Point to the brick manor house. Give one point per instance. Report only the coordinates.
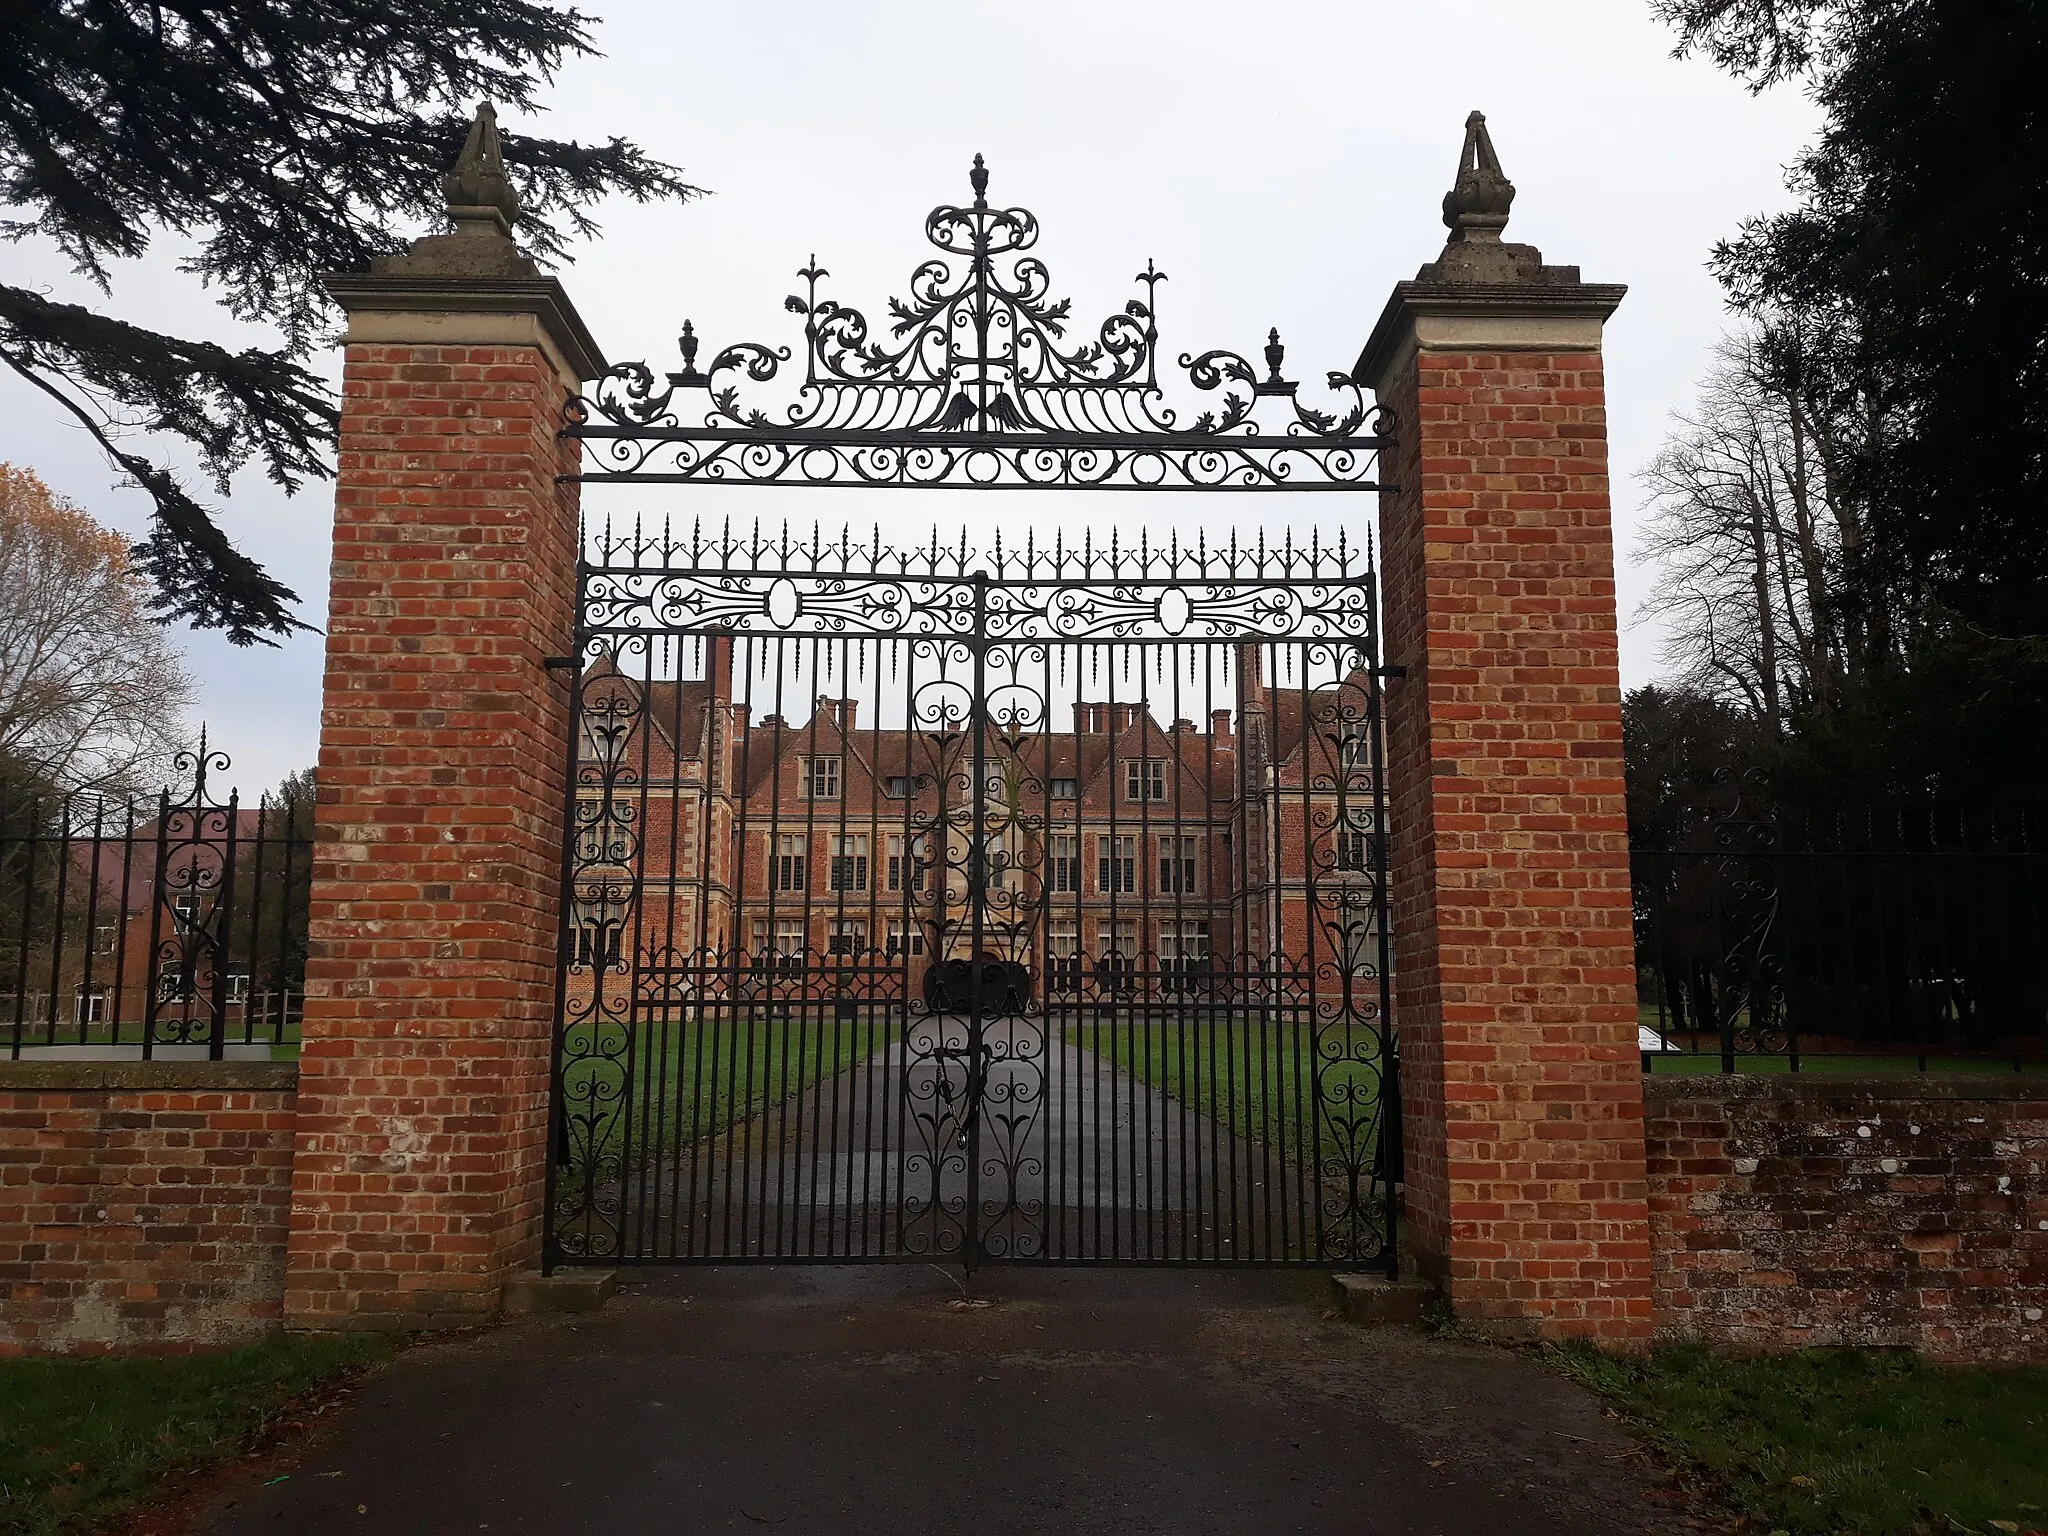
(1128, 855)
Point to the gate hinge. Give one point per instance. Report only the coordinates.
(559, 663)
(1390, 672)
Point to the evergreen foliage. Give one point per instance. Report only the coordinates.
(1900, 311)
(284, 139)
(1918, 251)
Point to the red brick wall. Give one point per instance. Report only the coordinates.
(1881, 1212)
(142, 1204)
(423, 1100)
(1513, 962)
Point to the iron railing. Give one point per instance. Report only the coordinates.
(1780, 942)
(171, 925)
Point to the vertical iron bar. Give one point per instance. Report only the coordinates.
(977, 901)
(125, 914)
(764, 962)
(558, 1109)
(1388, 1149)
(1304, 659)
(222, 926)
(87, 981)
(250, 991)
(57, 913)
(153, 984)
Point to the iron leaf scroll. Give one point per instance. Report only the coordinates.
(974, 380)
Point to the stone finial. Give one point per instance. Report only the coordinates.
(482, 207)
(1476, 207)
(480, 196)
(1476, 211)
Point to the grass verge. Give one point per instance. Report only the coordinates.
(683, 1080)
(1257, 1076)
(83, 1438)
(1833, 1442)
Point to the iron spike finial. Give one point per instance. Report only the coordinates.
(978, 179)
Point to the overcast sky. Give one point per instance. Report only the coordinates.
(1284, 163)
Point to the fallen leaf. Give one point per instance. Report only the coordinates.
(1804, 1482)
(1436, 1463)
(2003, 1525)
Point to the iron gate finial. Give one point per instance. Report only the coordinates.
(1276, 354)
(687, 345)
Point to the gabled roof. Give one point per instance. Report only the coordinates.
(674, 712)
(125, 868)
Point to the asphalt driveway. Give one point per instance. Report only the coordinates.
(881, 1400)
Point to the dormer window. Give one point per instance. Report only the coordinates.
(821, 778)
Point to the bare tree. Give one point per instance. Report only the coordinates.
(92, 694)
(1759, 552)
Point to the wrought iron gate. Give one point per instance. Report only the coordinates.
(1022, 910)
(926, 903)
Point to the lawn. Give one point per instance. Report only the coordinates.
(696, 1075)
(80, 1439)
(1841, 1443)
(1256, 1074)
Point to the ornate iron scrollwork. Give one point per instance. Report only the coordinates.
(186, 999)
(976, 382)
(649, 580)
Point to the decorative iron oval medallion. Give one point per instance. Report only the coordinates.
(1174, 610)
